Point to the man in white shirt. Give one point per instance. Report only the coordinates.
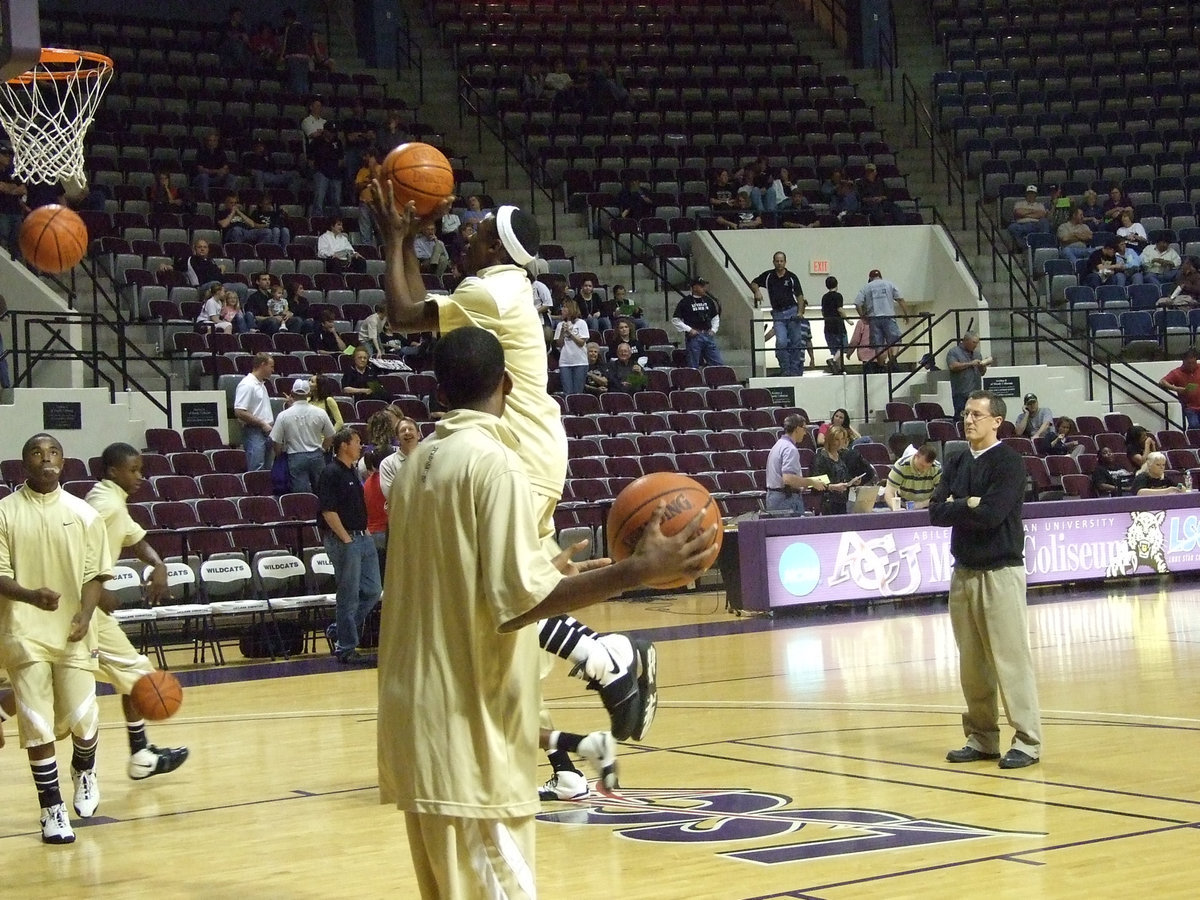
(252, 407)
(408, 433)
(370, 328)
(314, 121)
(1161, 262)
(431, 252)
(303, 432)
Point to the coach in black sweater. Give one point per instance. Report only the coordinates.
(979, 497)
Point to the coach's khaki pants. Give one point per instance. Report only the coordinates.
(988, 613)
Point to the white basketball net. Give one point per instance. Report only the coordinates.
(47, 111)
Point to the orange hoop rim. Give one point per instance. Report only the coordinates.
(60, 56)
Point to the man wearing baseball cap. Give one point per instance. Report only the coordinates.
(303, 432)
(877, 302)
(697, 317)
(1029, 216)
(1034, 422)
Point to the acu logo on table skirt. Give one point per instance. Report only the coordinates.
(760, 824)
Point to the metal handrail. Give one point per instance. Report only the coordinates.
(939, 150)
(466, 92)
(25, 355)
(409, 50)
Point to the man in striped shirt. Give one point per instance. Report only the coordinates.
(913, 477)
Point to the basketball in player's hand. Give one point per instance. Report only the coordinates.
(421, 173)
(684, 497)
(157, 695)
(53, 238)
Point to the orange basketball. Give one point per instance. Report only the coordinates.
(634, 505)
(157, 695)
(53, 238)
(421, 173)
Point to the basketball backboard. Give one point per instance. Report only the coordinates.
(20, 37)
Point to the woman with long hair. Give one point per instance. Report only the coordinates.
(843, 467)
(840, 418)
(571, 337)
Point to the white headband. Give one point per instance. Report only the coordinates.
(508, 238)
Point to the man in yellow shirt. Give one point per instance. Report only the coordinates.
(459, 686)
(497, 295)
(120, 664)
(54, 560)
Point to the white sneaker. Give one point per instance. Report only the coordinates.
(611, 669)
(612, 659)
(56, 827)
(87, 792)
(156, 761)
(600, 750)
(564, 786)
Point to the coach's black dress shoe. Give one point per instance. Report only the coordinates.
(969, 754)
(1017, 759)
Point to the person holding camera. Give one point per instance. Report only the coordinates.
(1035, 422)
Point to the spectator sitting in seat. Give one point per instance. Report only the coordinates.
(1034, 421)
(1105, 267)
(846, 204)
(212, 166)
(1139, 444)
(742, 216)
(359, 381)
(1115, 206)
(202, 273)
(1029, 215)
(1131, 261)
(623, 305)
(625, 374)
(1061, 444)
(721, 191)
(1060, 207)
(1075, 237)
(1160, 263)
(328, 340)
(264, 173)
(232, 312)
(1151, 478)
(623, 333)
(1093, 210)
(874, 196)
(591, 307)
(840, 419)
(238, 226)
(339, 254)
(272, 217)
(258, 304)
(279, 308)
(596, 381)
(635, 201)
(1107, 481)
(1133, 232)
(1187, 285)
(431, 252)
(209, 318)
(474, 213)
(371, 329)
(166, 199)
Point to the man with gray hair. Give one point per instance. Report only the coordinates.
(966, 367)
(785, 479)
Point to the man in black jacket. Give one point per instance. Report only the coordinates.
(979, 497)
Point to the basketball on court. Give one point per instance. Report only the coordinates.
(157, 695)
(53, 238)
(636, 503)
(421, 173)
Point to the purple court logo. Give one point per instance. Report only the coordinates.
(742, 819)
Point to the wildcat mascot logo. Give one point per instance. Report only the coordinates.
(1144, 545)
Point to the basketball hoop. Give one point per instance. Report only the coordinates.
(47, 111)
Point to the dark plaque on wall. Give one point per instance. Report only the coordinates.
(1003, 385)
(784, 395)
(199, 415)
(62, 415)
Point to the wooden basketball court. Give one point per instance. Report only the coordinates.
(800, 757)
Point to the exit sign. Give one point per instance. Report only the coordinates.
(818, 267)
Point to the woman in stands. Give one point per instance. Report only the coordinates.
(1061, 444)
(1139, 444)
(321, 394)
(1133, 232)
(1116, 206)
(840, 418)
(624, 333)
(844, 469)
(1093, 211)
(1152, 478)
(164, 198)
